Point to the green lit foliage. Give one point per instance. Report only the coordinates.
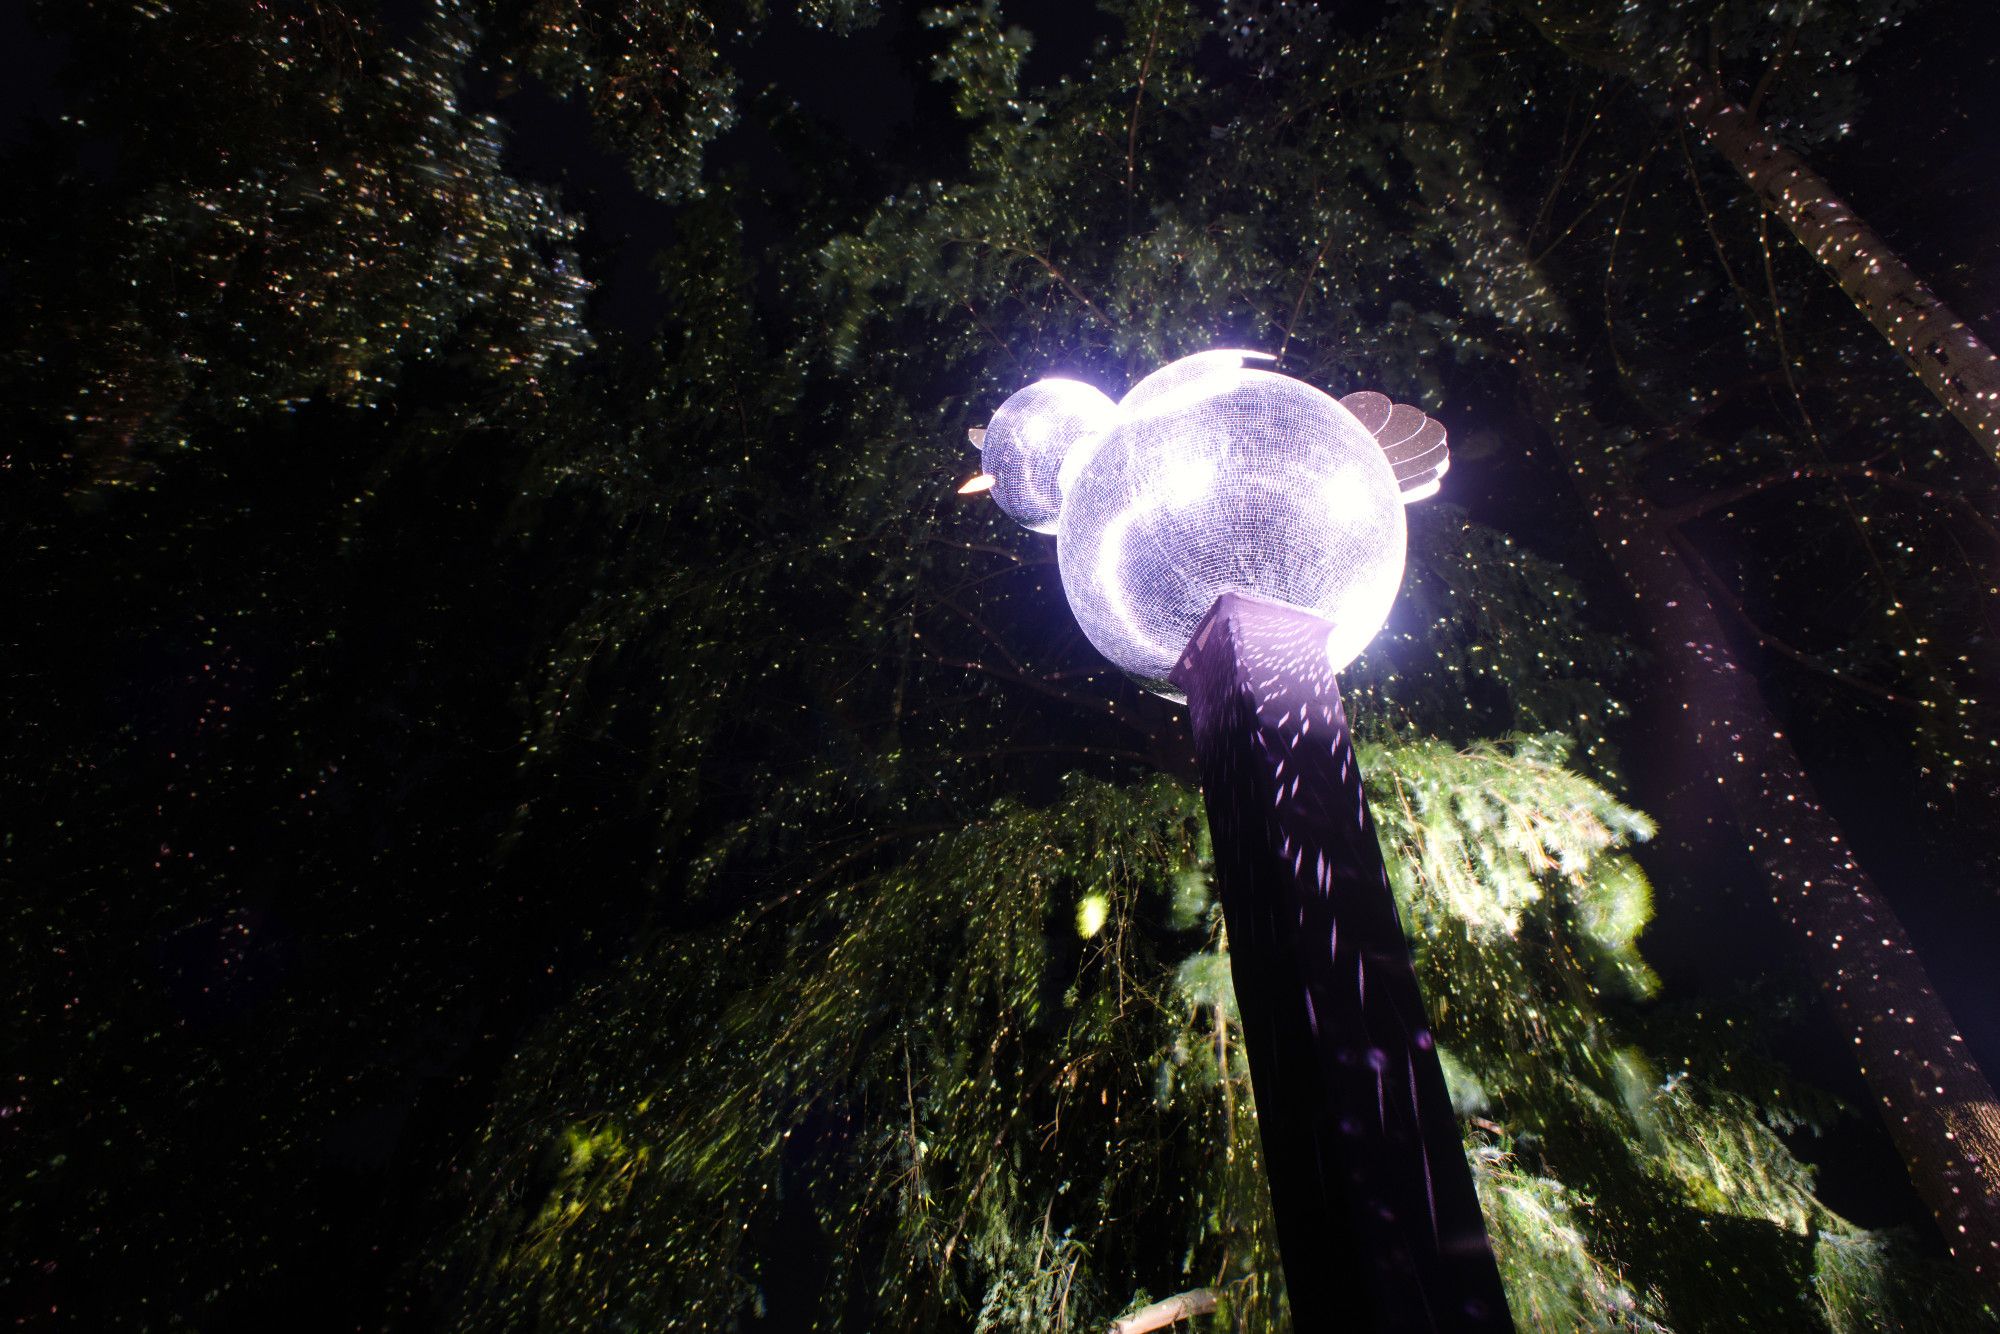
(1608, 1183)
(999, 1075)
(1482, 828)
(975, 1067)
(935, 992)
(1871, 1281)
(1541, 1234)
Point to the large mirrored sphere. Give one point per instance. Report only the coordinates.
(1028, 439)
(1218, 476)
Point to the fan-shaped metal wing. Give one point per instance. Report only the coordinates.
(1413, 442)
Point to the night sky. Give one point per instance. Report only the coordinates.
(1920, 163)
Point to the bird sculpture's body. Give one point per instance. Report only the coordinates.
(1210, 476)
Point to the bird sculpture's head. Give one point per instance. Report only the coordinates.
(1213, 475)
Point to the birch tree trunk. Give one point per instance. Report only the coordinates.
(1938, 1105)
(1940, 1109)
(1941, 348)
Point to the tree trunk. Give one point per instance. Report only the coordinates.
(1940, 347)
(1939, 1107)
(1940, 1110)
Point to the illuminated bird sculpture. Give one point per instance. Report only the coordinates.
(1213, 475)
(1237, 535)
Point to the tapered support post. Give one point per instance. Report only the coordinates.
(1378, 1222)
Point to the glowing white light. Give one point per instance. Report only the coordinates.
(1211, 476)
(1184, 481)
(1030, 437)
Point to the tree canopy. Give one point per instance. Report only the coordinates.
(552, 825)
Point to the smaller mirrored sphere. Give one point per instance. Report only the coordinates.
(1216, 477)
(1028, 439)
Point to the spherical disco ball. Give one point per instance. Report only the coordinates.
(1216, 477)
(1028, 439)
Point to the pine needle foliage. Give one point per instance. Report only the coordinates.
(1542, 1234)
(997, 1084)
(994, 1089)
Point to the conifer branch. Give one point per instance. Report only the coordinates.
(1088, 703)
(846, 859)
(1005, 347)
(1095, 752)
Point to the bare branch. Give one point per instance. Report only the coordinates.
(1609, 193)
(1298, 307)
(1186, 1306)
(1765, 639)
(1165, 749)
(1777, 65)
(986, 632)
(1138, 99)
(1048, 266)
(1610, 268)
(1088, 703)
(1730, 495)
(1750, 308)
(990, 549)
(1590, 123)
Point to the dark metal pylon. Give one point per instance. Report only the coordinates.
(1378, 1223)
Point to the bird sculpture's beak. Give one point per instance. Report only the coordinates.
(977, 485)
